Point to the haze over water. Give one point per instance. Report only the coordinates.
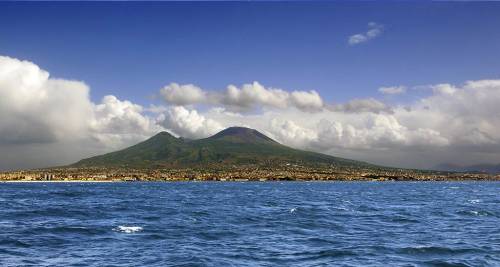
(250, 224)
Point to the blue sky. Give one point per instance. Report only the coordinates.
(133, 49)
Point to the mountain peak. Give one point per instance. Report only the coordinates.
(242, 135)
(163, 135)
(230, 147)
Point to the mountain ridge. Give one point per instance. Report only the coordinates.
(479, 168)
(233, 145)
(241, 134)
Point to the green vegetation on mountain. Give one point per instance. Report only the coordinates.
(232, 146)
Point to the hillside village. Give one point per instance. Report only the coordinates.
(287, 172)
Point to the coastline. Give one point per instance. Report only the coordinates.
(247, 181)
(60, 181)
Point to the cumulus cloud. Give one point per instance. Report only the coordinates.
(40, 112)
(444, 89)
(188, 123)
(373, 131)
(248, 97)
(187, 94)
(116, 122)
(37, 109)
(362, 105)
(374, 30)
(308, 101)
(453, 118)
(392, 90)
(467, 114)
(288, 132)
(46, 121)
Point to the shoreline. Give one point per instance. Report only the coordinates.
(60, 181)
(250, 181)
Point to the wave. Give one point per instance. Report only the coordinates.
(438, 250)
(475, 213)
(128, 229)
(323, 224)
(474, 201)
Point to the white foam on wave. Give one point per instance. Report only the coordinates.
(475, 201)
(128, 229)
(343, 208)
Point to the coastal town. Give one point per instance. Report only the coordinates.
(285, 172)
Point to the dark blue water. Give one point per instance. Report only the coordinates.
(250, 224)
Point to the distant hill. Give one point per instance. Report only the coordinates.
(234, 145)
(481, 168)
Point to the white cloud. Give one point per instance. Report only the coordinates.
(372, 132)
(251, 95)
(430, 130)
(188, 123)
(37, 109)
(468, 115)
(288, 132)
(46, 121)
(187, 94)
(40, 113)
(307, 101)
(248, 97)
(117, 122)
(362, 105)
(374, 30)
(392, 90)
(444, 89)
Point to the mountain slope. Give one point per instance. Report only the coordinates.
(480, 168)
(234, 145)
(242, 135)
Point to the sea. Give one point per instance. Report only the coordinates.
(250, 224)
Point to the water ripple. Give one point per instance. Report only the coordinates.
(250, 224)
